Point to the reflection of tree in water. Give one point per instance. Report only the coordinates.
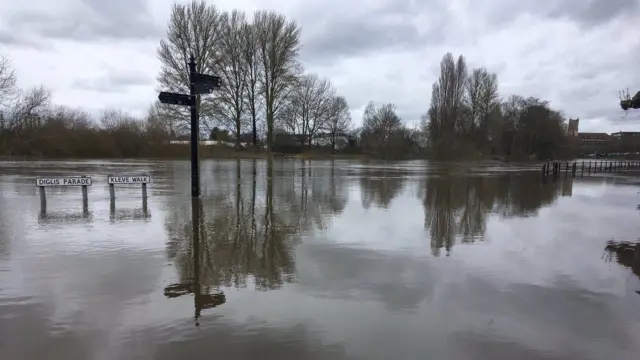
(308, 194)
(457, 207)
(249, 232)
(328, 188)
(380, 187)
(5, 229)
(626, 254)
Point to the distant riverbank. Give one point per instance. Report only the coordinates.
(184, 152)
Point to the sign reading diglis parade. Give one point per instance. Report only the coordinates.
(64, 181)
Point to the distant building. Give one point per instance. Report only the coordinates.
(572, 128)
(594, 142)
(626, 135)
(626, 141)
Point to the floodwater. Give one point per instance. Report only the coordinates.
(294, 259)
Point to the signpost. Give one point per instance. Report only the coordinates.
(135, 180)
(64, 181)
(114, 180)
(199, 84)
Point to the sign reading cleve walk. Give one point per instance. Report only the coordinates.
(129, 179)
(64, 181)
(114, 180)
(199, 84)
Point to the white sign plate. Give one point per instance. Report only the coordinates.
(144, 179)
(64, 181)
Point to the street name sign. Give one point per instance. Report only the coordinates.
(64, 181)
(144, 179)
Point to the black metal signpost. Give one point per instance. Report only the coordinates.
(200, 84)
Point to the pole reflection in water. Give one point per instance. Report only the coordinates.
(56, 217)
(193, 286)
(128, 214)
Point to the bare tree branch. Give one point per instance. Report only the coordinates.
(195, 29)
(233, 71)
(339, 120)
(254, 74)
(278, 44)
(309, 107)
(7, 81)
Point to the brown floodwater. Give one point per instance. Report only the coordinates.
(297, 259)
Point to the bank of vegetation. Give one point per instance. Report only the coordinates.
(268, 103)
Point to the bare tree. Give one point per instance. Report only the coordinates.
(473, 87)
(481, 101)
(447, 105)
(27, 111)
(339, 120)
(278, 45)
(69, 118)
(254, 74)
(24, 116)
(308, 107)
(7, 81)
(113, 119)
(233, 71)
(380, 127)
(194, 28)
(159, 122)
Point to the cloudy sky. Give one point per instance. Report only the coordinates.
(575, 53)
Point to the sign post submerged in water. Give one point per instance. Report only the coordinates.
(200, 84)
(83, 181)
(130, 180)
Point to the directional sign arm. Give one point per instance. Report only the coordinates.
(206, 79)
(175, 99)
(203, 88)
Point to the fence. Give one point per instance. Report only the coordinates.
(556, 168)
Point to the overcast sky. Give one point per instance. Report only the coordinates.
(575, 53)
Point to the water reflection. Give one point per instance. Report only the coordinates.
(626, 254)
(305, 194)
(457, 207)
(280, 259)
(246, 233)
(116, 215)
(190, 279)
(379, 187)
(65, 217)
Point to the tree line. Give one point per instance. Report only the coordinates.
(467, 116)
(267, 99)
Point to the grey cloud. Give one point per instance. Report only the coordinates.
(412, 117)
(328, 38)
(584, 12)
(11, 38)
(114, 82)
(597, 96)
(95, 20)
(594, 12)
